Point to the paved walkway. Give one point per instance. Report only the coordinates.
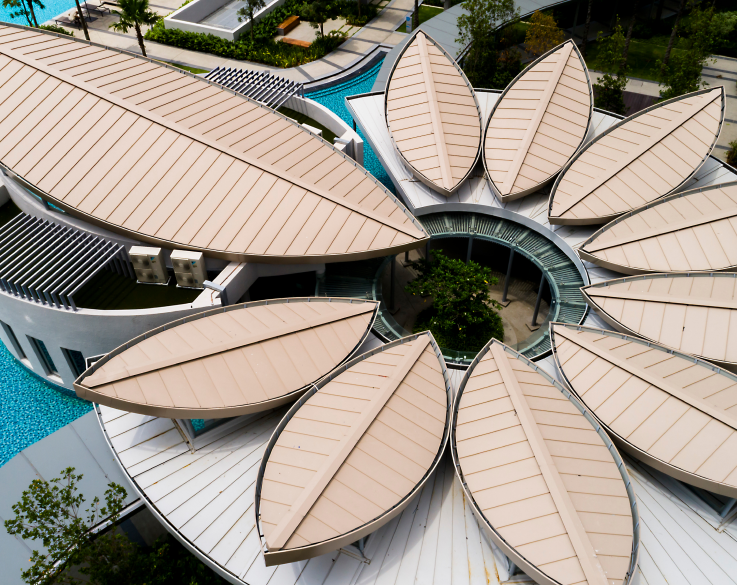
(379, 32)
(723, 72)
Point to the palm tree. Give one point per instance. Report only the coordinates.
(251, 7)
(629, 32)
(134, 14)
(82, 20)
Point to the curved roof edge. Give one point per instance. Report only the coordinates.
(582, 144)
(500, 541)
(416, 173)
(93, 395)
(196, 137)
(557, 220)
(631, 449)
(306, 552)
(591, 257)
(621, 327)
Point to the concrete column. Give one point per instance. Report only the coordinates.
(539, 298)
(508, 276)
(470, 249)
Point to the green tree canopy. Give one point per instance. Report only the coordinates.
(462, 315)
(485, 64)
(682, 73)
(610, 87)
(543, 34)
(134, 14)
(317, 13)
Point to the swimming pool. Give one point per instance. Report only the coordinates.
(30, 408)
(52, 8)
(333, 98)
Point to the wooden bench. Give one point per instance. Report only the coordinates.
(297, 42)
(287, 25)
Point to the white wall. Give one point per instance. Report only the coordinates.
(331, 121)
(188, 18)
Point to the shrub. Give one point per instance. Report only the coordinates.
(56, 29)
(732, 154)
(461, 316)
(262, 50)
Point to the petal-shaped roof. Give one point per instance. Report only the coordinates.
(668, 409)
(229, 362)
(690, 231)
(173, 160)
(351, 454)
(549, 488)
(539, 122)
(691, 312)
(640, 159)
(432, 114)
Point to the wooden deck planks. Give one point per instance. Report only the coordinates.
(640, 159)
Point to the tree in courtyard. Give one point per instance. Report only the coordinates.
(251, 7)
(610, 87)
(682, 73)
(479, 26)
(317, 13)
(543, 34)
(134, 14)
(462, 315)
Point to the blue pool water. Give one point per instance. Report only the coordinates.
(52, 8)
(333, 98)
(30, 408)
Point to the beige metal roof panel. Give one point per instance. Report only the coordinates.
(539, 122)
(229, 362)
(353, 452)
(691, 231)
(545, 481)
(689, 312)
(642, 158)
(666, 408)
(127, 143)
(432, 114)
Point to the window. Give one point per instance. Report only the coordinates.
(44, 356)
(76, 362)
(14, 341)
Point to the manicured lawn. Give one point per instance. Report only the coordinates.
(426, 13)
(643, 57)
(190, 69)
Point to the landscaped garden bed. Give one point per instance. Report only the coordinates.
(264, 48)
